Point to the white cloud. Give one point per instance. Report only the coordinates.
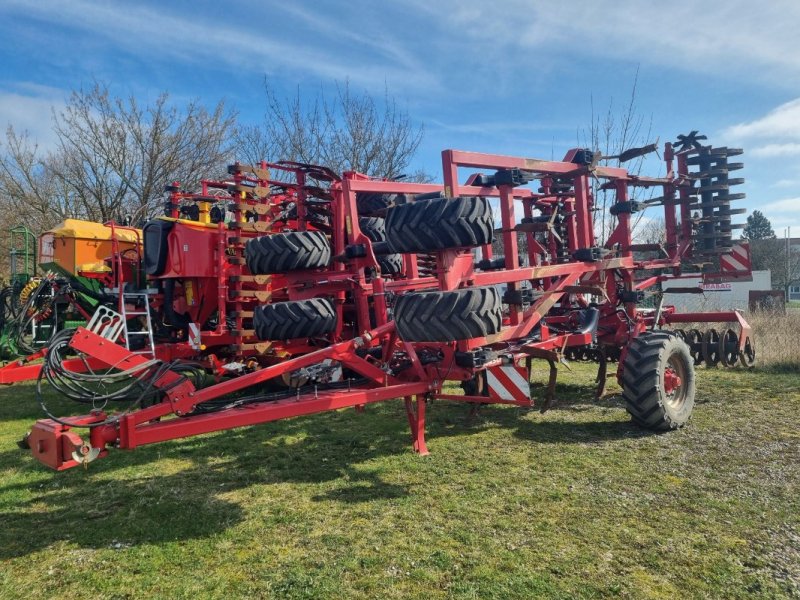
(243, 45)
(773, 150)
(28, 109)
(724, 38)
(782, 213)
(781, 123)
(786, 183)
(780, 223)
(465, 46)
(786, 205)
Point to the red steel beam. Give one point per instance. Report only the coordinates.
(254, 414)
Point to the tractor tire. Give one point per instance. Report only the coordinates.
(294, 319)
(372, 204)
(439, 224)
(653, 400)
(282, 252)
(448, 316)
(375, 229)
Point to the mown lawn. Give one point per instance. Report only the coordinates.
(575, 503)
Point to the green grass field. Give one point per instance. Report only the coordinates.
(575, 503)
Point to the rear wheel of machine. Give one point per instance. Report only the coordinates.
(375, 229)
(729, 348)
(658, 381)
(439, 224)
(292, 251)
(294, 319)
(711, 348)
(448, 316)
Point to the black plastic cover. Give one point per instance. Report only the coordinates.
(155, 234)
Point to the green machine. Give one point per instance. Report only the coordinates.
(23, 255)
(34, 306)
(31, 307)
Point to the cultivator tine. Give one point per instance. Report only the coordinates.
(602, 374)
(550, 393)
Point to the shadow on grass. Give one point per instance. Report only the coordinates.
(576, 433)
(112, 503)
(137, 498)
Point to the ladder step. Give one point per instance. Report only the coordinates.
(138, 333)
(132, 313)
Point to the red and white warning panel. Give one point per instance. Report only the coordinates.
(509, 383)
(738, 260)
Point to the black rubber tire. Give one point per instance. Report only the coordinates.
(371, 204)
(647, 358)
(448, 316)
(711, 348)
(375, 229)
(292, 251)
(440, 224)
(390, 264)
(294, 319)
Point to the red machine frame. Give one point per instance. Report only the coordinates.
(561, 288)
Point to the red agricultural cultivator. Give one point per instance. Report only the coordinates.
(288, 290)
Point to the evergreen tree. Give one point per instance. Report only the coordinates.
(758, 227)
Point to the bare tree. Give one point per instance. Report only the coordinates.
(29, 187)
(611, 133)
(346, 132)
(112, 158)
(652, 231)
(117, 155)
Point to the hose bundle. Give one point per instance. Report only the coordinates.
(135, 385)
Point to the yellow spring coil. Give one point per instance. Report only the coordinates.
(28, 289)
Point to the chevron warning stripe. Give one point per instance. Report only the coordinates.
(509, 383)
(737, 260)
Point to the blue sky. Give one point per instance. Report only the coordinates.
(513, 77)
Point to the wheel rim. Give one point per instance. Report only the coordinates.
(675, 376)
